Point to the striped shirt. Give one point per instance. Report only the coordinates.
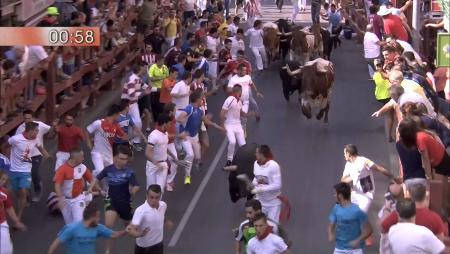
(200, 85)
(148, 58)
(132, 88)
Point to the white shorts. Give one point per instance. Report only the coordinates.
(272, 212)
(61, 158)
(6, 246)
(361, 200)
(212, 72)
(355, 251)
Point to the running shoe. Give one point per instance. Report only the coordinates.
(187, 180)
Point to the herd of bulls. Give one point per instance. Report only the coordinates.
(296, 46)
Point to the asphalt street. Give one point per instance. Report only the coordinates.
(310, 155)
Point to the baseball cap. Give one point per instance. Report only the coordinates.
(52, 11)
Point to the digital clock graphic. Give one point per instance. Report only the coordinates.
(50, 36)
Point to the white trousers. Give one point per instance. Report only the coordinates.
(73, 209)
(173, 165)
(191, 146)
(235, 133)
(156, 175)
(272, 212)
(361, 200)
(61, 158)
(295, 11)
(100, 161)
(136, 117)
(260, 57)
(6, 246)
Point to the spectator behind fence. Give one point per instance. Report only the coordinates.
(407, 237)
(393, 24)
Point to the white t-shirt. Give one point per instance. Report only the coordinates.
(181, 88)
(189, 5)
(255, 38)
(21, 153)
(43, 129)
(245, 82)
(159, 141)
(272, 244)
(413, 239)
(408, 48)
(233, 106)
(371, 48)
(361, 175)
(268, 178)
(246, 223)
(233, 29)
(33, 55)
(212, 44)
(235, 46)
(152, 218)
(104, 134)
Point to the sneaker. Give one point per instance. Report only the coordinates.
(187, 180)
(169, 187)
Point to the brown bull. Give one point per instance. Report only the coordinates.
(271, 43)
(315, 82)
(305, 44)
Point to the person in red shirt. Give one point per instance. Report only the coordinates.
(7, 209)
(69, 185)
(69, 137)
(424, 216)
(167, 85)
(200, 34)
(393, 25)
(231, 66)
(225, 54)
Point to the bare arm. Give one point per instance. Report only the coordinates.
(383, 171)
(382, 110)
(13, 216)
(133, 231)
(237, 247)
(331, 232)
(54, 246)
(43, 152)
(117, 234)
(139, 132)
(426, 163)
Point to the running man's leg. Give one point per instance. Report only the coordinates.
(97, 160)
(231, 142)
(36, 177)
(258, 58)
(272, 212)
(136, 117)
(196, 148)
(187, 147)
(161, 176)
(6, 246)
(295, 11)
(150, 173)
(262, 52)
(61, 158)
(110, 220)
(173, 165)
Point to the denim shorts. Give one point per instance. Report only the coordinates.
(20, 180)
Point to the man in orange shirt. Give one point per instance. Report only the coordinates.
(69, 185)
(167, 85)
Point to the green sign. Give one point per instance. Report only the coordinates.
(443, 50)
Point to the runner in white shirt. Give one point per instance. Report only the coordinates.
(237, 43)
(148, 221)
(267, 182)
(265, 242)
(157, 152)
(359, 173)
(246, 82)
(180, 92)
(20, 170)
(36, 156)
(230, 116)
(213, 43)
(233, 27)
(407, 237)
(105, 131)
(371, 48)
(256, 44)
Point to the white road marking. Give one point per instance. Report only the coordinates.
(197, 195)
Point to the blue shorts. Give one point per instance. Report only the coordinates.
(20, 180)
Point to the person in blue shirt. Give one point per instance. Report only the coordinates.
(190, 120)
(81, 237)
(122, 186)
(334, 18)
(349, 225)
(128, 126)
(181, 62)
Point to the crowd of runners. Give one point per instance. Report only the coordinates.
(190, 51)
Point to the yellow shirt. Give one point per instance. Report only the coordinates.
(411, 86)
(223, 30)
(159, 73)
(381, 86)
(171, 27)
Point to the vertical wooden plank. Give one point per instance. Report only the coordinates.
(50, 102)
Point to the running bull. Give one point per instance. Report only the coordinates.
(313, 81)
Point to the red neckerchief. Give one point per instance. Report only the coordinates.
(26, 137)
(265, 234)
(235, 96)
(264, 162)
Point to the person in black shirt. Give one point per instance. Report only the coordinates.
(156, 39)
(120, 178)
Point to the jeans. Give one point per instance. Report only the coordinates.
(227, 7)
(315, 13)
(371, 66)
(35, 175)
